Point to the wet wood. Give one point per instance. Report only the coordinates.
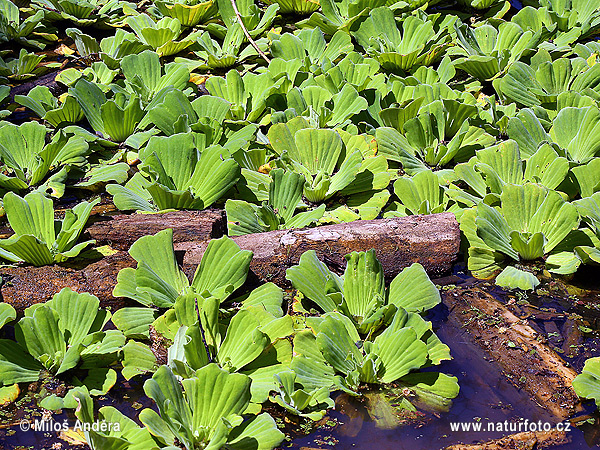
(24, 286)
(120, 231)
(573, 337)
(526, 440)
(431, 240)
(523, 355)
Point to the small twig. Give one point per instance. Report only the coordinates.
(254, 44)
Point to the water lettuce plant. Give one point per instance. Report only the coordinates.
(406, 344)
(489, 51)
(328, 165)
(175, 174)
(368, 335)
(189, 12)
(56, 112)
(484, 176)
(405, 44)
(360, 294)
(59, 335)
(545, 81)
(339, 15)
(587, 383)
(253, 341)
(158, 281)
(296, 6)
(198, 414)
(28, 161)
(160, 35)
(12, 28)
(530, 222)
(39, 238)
(85, 13)
(279, 211)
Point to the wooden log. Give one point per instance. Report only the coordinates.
(24, 286)
(524, 440)
(431, 240)
(120, 231)
(522, 354)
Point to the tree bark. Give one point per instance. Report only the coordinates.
(523, 355)
(120, 231)
(27, 285)
(432, 240)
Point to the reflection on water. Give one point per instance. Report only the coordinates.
(367, 423)
(485, 396)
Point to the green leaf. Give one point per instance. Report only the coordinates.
(400, 351)
(421, 194)
(363, 282)
(100, 381)
(223, 269)
(243, 342)
(574, 128)
(531, 208)
(413, 291)
(587, 384)
(268, 296)
(315, 281)
(513, 278)
(258, 433)
(17, 366)
(42, 337)
(157, 280)
(337, 345)
(134, 322)
(137, 359)
(7, 314)
(78, 314)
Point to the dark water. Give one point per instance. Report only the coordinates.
(486, 396)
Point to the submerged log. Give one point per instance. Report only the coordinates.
(120, 231)
(432, 240)
(522, 354)
(525, 440)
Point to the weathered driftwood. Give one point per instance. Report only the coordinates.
(120, 231)
(432, 241)
(526, 440)
(522, 354)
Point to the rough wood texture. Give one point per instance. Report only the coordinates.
(24, 286)
(120, 231)
(432, 241)
(523, 355)
(526, 441)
